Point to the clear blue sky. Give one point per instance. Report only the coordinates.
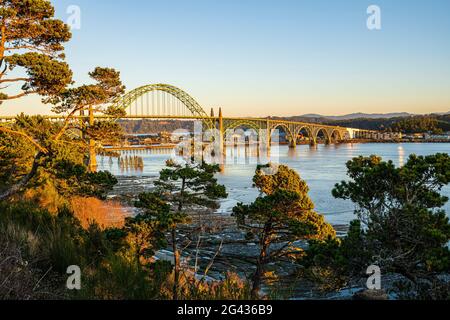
(256, 57)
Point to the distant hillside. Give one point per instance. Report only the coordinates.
(399, 121)
(412, 124)
(359, 115)
(154, 126)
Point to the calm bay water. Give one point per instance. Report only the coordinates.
(322, 167)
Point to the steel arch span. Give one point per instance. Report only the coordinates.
(183, 104)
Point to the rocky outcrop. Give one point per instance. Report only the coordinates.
(370, 295)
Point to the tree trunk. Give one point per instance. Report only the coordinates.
(256, 286)
(260, 264)
(2, 46)
(18, 186)
(176, 262)
(92, 154)
(176, 256)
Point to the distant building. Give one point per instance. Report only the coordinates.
(415, 136)
(386, 136)
(438, 137)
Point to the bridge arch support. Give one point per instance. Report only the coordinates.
(315, 131)
(308, 129)
(290, 131)
(340, 134)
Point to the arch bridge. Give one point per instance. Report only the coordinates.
(163, 101)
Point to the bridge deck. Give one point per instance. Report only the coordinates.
(155, 117)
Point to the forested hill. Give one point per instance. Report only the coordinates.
(154, 126)
(407, 124)
(412, 124)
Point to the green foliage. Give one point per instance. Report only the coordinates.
(15, 156)
(331, 263)
(105, 131)
(155, 126)
(190, 184)
(283, 179)
(415, 124)
(232, 287)
(32, 40)
(108, 79)
(282, 215)
(97, 184)
(377, 187)
(47, 76)
(119, 278)
(420, 124)
(62, 172)
(288, 220)
(285, 205)
(400, 226)
(115, 263)
(180, 187)
(143, 236)
(58, 241)
(54, 242)
(22, 275)
(159, 209)
(108, 87)
(59, 163)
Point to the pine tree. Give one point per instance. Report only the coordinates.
(31, 42)
(180, 190)
(398, 209)
(280, 216)
(49, 142)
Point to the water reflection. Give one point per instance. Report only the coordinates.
(292, 153)
(401, 156)
(321, 166)
(131, 163)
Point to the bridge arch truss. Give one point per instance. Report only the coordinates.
(161, 101)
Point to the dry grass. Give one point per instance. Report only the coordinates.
(107, 214)
(232, 287)
(20, 279)
(45, 196)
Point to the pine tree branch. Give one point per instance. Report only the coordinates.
(18, 95)
(66, 123)
(15, 80)
(26, 136)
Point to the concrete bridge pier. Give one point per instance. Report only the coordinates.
(267, 137)
(221, 132)
(292, 143)
(264, 143)
(258, 144)
(312, 134)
